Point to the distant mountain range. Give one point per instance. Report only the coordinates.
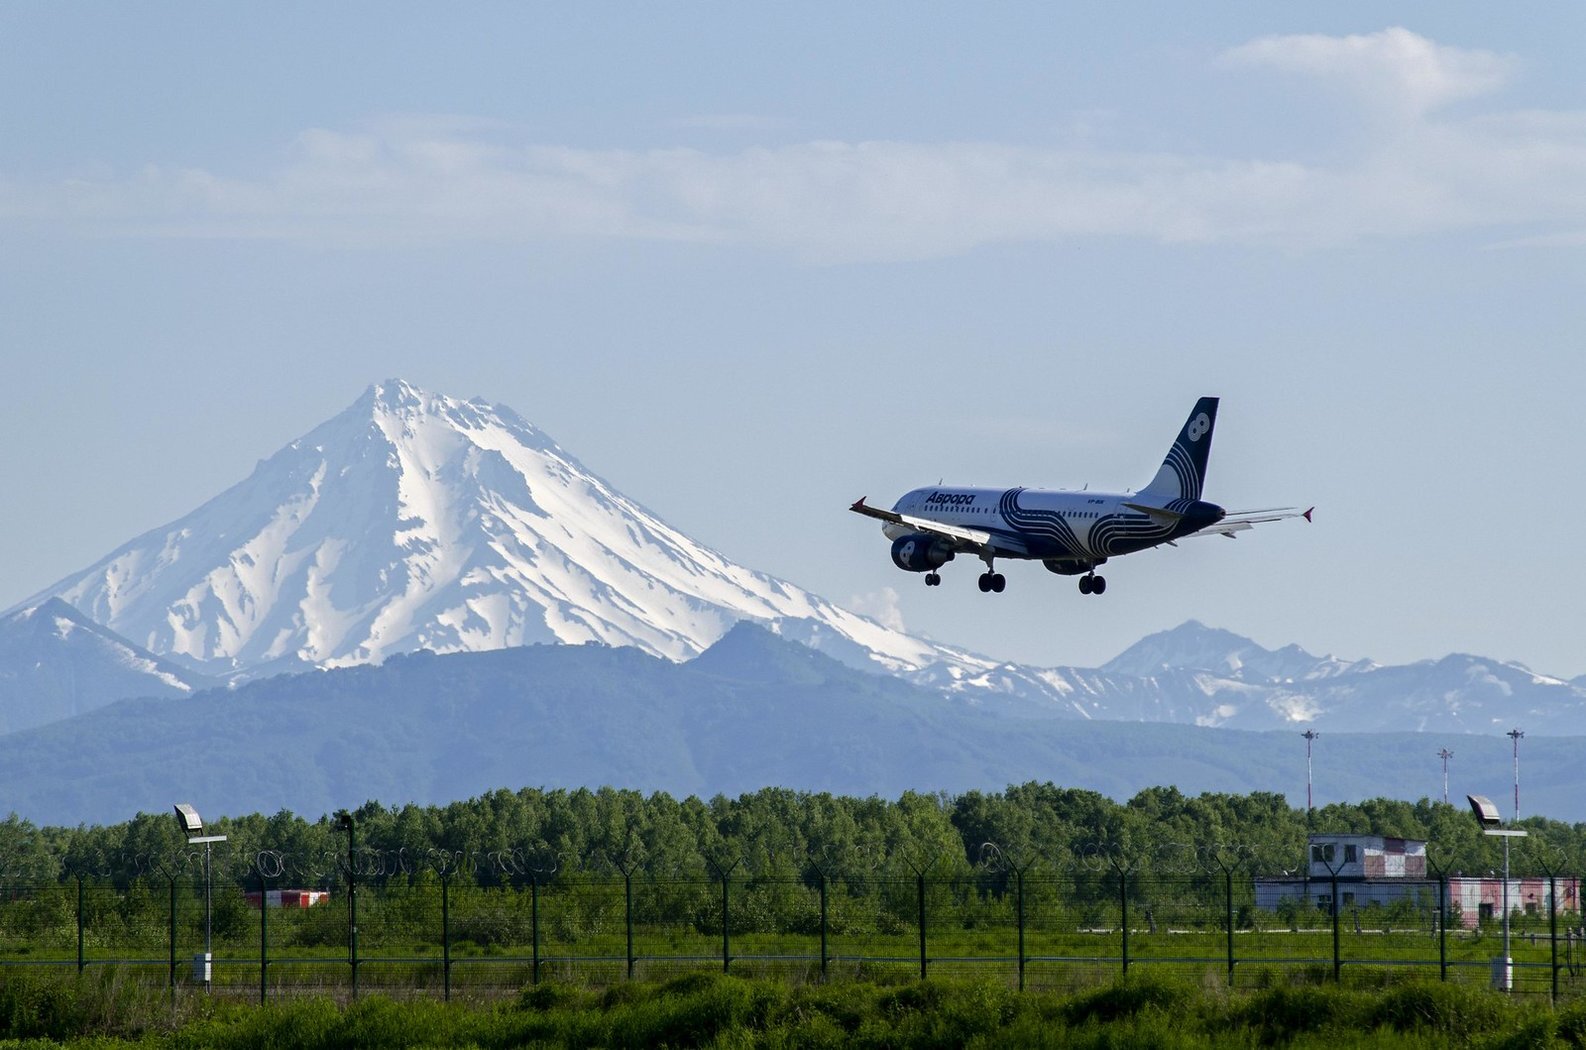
(536, 626)
(753, 710)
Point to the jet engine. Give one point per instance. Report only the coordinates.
(920, 553)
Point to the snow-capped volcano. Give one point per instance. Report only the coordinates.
(416, 521)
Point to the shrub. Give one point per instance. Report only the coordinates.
(1130, 996)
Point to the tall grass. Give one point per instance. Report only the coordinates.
(722, 1012)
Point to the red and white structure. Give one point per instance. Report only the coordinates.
(1377, 870)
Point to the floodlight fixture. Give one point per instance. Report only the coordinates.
(189, 820)
(1486, 813)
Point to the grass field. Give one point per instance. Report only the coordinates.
(713, 1010)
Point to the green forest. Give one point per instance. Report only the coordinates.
(511, 836)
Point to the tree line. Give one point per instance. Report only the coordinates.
(510, 836)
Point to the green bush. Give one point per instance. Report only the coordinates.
(1130, 996)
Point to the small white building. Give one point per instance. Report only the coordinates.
(1376, 870)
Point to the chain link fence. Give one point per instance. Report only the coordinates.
(487, 924)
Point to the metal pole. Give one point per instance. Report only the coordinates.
(1123, 900)
(1442, 926)
(1018, 883)
(919, 881)
(1338, 964)
(1515, 734)
(173, 937)
(534, 922)
(81, 962)
(627, 894)
(726, 944)
(446, 938)
(1507, 971)
(1552, 930)
(825, 957)
(1228, 889)
(209, 957)
(264, 940)
(352, 902)
(1445, 754)
(1309, 735)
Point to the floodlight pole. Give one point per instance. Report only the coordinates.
(208, 841)
(192, 826)
(1515, 734)
(1445, 754)
(1506, 834)
(1309, 735)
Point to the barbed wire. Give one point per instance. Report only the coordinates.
(538, 862)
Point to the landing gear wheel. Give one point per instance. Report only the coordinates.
(932, 580)
(998, 582)
(984, 582)
(1085, 585)
(1098, 585)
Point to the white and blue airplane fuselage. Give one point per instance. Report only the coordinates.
(1071, 533)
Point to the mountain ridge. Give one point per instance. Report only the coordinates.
(432, 728)
(56, 663)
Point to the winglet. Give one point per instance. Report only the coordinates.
(859, 505)
(1306, 515)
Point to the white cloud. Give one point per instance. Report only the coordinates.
(1507, 175)
(1395, 68)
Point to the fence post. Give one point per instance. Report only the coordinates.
(1338, 965)
(1228, 896)
(1442, 926)
(264, 939)
(627, 896)
(446, 937)
(919, 882)
(824, 955)
(1552, 931)
(1018, 885)
(726, 943)
(173, 938)
(81, 962)
(1123, 900)
(534, 923)
(344, 821)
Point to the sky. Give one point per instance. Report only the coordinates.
(752, 262)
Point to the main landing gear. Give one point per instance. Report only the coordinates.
(1092, 584)
(991, 581)
(933, 579)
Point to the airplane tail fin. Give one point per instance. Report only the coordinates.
(1184, 470)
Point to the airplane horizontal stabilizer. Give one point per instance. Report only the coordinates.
(1159, 513)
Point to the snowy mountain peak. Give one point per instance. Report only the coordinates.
(415, 520)
(1192, 646)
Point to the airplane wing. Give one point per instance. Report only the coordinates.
(1243, 520)
(963, 539)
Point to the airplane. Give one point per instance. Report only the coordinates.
(1071, 533)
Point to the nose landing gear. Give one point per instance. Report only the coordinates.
(933, 579)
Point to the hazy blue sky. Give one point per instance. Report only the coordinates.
(751, 262)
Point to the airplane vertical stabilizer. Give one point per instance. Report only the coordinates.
(1183, 472)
